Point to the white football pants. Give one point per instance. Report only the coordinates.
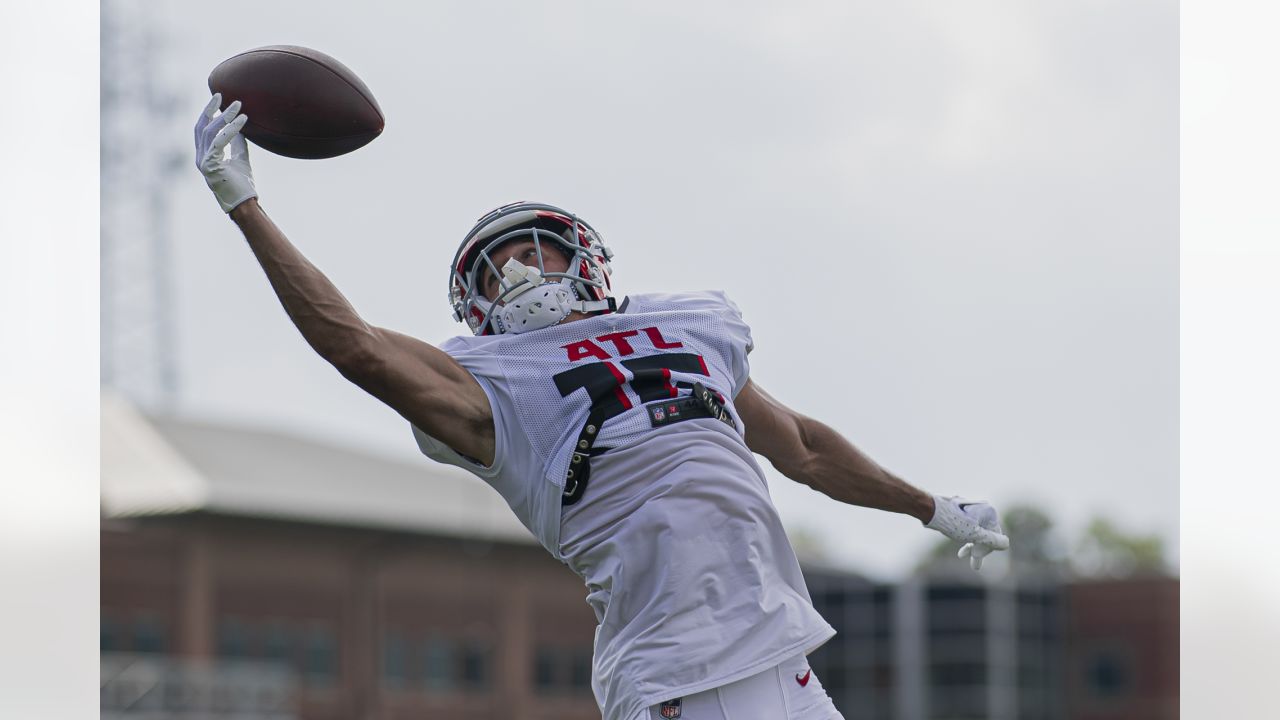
(790, 691)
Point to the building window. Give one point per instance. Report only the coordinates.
(395, 659)
(960, 703)
(321, 661)
(277, 642)
(957, 674)
(832, 599)
(1030, 676)
(949, 593)
(1107, 674)
(108, 635)
(546, 676)
(561, 670)
(233, 638)
(882, 676)
(475, 666)
(957, 617)
(148, 635)
(882, 614)
(437, 664)
(580, 671)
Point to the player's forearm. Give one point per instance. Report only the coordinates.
(324, 317)
(836, 468)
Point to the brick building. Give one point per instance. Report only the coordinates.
(273, 577)
(1122, 649)
(262, 576)
(949, 644)
(943, 645)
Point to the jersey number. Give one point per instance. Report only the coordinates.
(652, 381)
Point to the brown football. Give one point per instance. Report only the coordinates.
(301, 103)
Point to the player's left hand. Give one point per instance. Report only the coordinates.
(976, 524)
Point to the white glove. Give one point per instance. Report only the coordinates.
(222, 155)
(976, 524)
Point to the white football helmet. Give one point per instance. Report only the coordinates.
(529, 298)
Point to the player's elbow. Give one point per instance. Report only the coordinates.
(356, 358)
(801, 462)
(811, 463)
(807, 469)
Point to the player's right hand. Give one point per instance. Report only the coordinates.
(976, 524)
(222, 155)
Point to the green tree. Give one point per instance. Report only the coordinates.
(1033, 542)
(808, 545)
(1107, 551)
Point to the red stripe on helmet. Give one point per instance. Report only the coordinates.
(580, 230)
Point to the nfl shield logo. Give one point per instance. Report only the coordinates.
(670, 709)
(659, 415)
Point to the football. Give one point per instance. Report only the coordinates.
(301, 103)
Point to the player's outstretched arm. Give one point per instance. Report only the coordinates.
(811, 453)
(422, 383)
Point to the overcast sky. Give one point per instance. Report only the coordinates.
(952, 226)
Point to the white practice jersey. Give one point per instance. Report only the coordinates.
(691, 577)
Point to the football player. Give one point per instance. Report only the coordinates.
(621, 432)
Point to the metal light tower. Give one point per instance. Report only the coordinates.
(139, 159)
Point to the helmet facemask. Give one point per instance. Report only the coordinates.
(529, 298)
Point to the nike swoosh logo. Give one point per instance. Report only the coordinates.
(803, 679)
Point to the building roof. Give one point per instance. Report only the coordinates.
(167, 466)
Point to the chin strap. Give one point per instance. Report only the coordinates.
(590, 306)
